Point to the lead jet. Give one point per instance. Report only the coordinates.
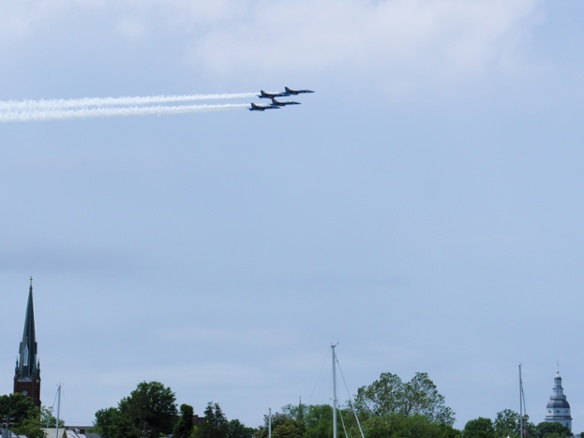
(290, 92)
(277, 103)
(265, 95)
(255, 107)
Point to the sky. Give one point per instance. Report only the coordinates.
(422, 209)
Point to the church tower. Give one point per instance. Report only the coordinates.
(27, 376)
(558, 408)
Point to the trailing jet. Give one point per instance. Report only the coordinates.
(277, 103)
(255, 107)
(265, 95)
(296, 92)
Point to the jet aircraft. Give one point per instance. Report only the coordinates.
(290, 92)
(255, 107)
(277, 103)
(265, 95)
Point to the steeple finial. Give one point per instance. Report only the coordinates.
(31, 281)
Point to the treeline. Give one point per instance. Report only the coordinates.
(151, 411)
(388, 408)
(19, 414)
(507, 424)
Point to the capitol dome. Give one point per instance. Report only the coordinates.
(558, 408)
(558, 404)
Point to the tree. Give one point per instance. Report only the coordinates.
(215, 424)
(422, 398)
(112, 423)
(236, 429)
(479, 428)
(17, 407)
(48, 420)
(390, 395)
(105, 422)
(552, 430)
(23, 414)
(278, 419)
(290, 429)
(150, 407)
(319, 421)
(507, 424)
(382, 397)
(399, 426)
(293, 425)
(184, 427)
(30, 427)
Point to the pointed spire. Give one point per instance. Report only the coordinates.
(27, 376)
(27, 364)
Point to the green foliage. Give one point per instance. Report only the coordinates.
(507, 424)
(150, 408)
(289, 429)
(278, 419)
(22, 413)
(215, 424)
(319, 421)
(236, 429)
(397, 425)
(48, 420)
(17, 407)
(315, 421)
(105, 422)
(184, 427)
(112, 423)
(552, 430)
(390, 395)
(30, 427)
(479, 428)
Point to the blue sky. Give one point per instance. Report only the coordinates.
(422, 208)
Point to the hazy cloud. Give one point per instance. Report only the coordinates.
(379, 37)
(445, 37)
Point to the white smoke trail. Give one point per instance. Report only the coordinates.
(36, 114)
(88, 102)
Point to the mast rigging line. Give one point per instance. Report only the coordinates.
(350, 399)
(319, 377)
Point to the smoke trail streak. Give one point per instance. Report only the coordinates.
(87, 113)
(88, 102)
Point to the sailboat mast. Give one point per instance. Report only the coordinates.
(334, 391)
(58, 409)
(520, 404)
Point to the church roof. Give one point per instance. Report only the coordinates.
(69, 433)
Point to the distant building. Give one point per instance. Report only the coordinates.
(27, 375)
(558, 408)
(71, 432)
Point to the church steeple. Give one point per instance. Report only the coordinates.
(27, 375)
